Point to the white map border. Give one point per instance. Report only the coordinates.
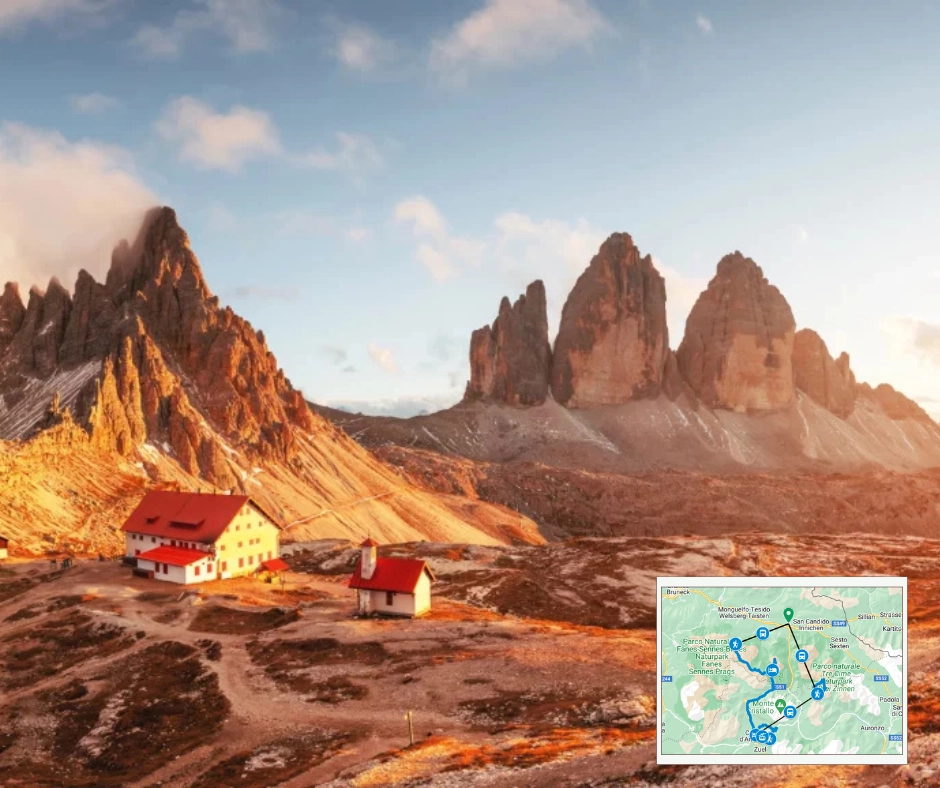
(869, 581)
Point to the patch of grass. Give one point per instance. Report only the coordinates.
(23, 614)
(56, 645)
(287, 662)
(155, 596)
(274, 762)
(222, 620)
(336, 689)
(211, 648)
(17, 587)
(139, 714)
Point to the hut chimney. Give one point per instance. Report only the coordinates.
(368, 559)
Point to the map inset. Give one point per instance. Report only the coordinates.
(782, 671)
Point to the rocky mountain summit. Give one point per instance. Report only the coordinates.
(612, 341)
(737, 352)
(512, 358)
(741, 351)
(830, 382)
(168, 383)
(151, 326)
(744, 392)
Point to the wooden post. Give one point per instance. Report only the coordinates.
(411, 729)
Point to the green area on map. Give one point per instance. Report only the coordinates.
(717, 700)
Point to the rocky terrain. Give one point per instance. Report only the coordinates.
(749, 422)
(536, 667)
(744, 392)
(167, 385)
(569, 503)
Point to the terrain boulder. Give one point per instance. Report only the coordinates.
(510, 360)
(829, 382)
(613, 341)
(738, 344)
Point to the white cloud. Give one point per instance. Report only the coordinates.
(218, 140)
(246, 25)
(383, 357)
(438, 250)
(438, 263)
(536, 242)
(913, 337)
(19, 13)
(704, 24)
(359, 48)
(506, 33)
(64, 205)
(422, 214)
(354, 153)
(93, 103)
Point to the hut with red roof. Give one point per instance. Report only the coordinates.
(187, 537)
(391, 586)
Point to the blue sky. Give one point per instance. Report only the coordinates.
(365, 180)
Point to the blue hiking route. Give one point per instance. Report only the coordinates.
(747, 706)
(789, 712)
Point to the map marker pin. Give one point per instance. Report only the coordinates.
(788, 614)
(781, 704)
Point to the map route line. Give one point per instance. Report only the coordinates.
(783, 716)
(809, 674)
(730, 692)
(736, 644)
(769, 630)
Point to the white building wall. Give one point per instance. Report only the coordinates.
(402, 604)
(185, 575)
(3, 553)
(422, 594)
(175, 574)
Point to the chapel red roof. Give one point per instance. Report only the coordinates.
(391, 574)
(193, 517)
(275, 565)
(369, 543)
(174, 556)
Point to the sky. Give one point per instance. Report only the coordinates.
(364, 181)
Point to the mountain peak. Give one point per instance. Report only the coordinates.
(738, 344)
(510, 360)
(613, 341)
